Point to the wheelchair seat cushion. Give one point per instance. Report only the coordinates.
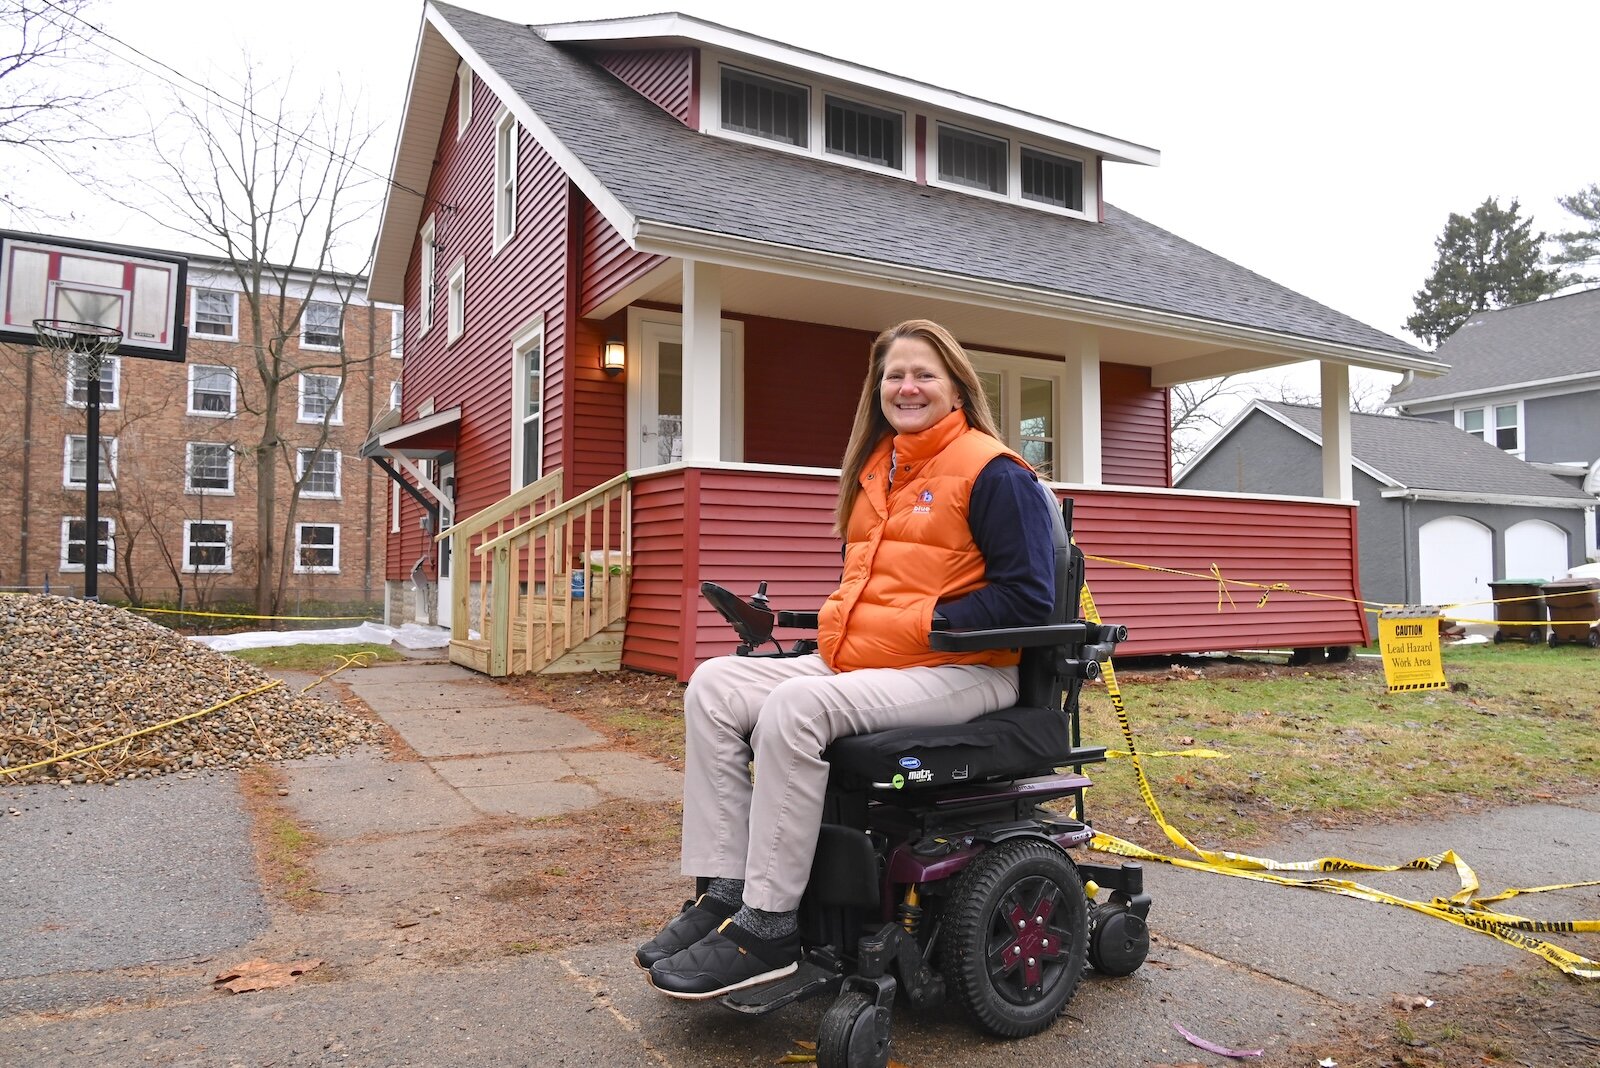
(1021, 740)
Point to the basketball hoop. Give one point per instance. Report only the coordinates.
(65, 339)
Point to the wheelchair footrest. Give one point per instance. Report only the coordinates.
(809, 980)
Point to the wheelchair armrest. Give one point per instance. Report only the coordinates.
(798, 620)
(971, 641)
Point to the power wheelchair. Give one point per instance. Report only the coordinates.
(938, 873)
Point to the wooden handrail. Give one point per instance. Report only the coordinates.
(486, 517)
(552, 515)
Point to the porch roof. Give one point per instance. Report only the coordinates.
(432, 437)
(668, 188)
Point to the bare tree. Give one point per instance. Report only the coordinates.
(43, 114)
(276, 192)
(1200, 409)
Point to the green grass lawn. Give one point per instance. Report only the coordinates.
(313, 657)
(1329, 744)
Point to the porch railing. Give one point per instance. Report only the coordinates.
(556, 579)
(509, 512)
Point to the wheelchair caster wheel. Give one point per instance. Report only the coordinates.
(854, 1033)
(1119, 941)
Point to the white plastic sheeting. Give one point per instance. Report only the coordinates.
(408, 636)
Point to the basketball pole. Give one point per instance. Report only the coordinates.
(91, 558)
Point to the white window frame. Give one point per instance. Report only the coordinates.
(394, 395)
(464, 82)
(189, 469)
(305, 321)
(850, 100)
(394, 507)
(335, 413)
(428, 291)
(808, 122)
(108, 468)
(506, 135)
(1492, 425)
(108, 545)
(1015, 144)
(192, 568)
(1012, 370)
(1065, 157)
(397, 333)
(233, 390)
(300, 460)
(455, 302)
(935, 165)
(76, 374)
(300, 546)
(531, 335)
(194, 314)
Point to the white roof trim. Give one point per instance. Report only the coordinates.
(419, 426)
(1459, 497)
(1506, 392)
(672, 26)
(601, 197)
(688, 243)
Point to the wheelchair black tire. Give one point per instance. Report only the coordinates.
(1001, 888)
(852, 1035)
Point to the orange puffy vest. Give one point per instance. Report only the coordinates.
(908, 548)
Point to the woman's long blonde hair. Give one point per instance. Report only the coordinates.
(871, 425)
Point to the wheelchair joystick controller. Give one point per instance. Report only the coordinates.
(759, 598)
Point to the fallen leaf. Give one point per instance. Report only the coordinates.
(262, 975)
(1407, 1004)
(1211, 1047)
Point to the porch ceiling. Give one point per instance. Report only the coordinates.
(1172, 357)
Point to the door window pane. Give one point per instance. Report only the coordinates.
(669, 404)
(1038, 425)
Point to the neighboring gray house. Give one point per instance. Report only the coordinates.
(1526, 379)
(1442, 513)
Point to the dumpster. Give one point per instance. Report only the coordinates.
(1573, 605)
(1521, 618)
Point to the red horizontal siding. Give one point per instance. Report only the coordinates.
(736, 528)
(1135, 428)
(802, 381)
(608, 264)
(663, 76)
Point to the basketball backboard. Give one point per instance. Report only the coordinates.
(138, 291)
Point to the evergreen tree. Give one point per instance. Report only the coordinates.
(1580, 247)
(1489, 259)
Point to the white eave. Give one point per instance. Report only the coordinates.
(671, 29)
(1462, 497)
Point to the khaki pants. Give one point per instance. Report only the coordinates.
(784, 712)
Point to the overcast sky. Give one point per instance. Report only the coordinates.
(1321, 145)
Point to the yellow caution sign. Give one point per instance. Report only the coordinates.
(1409, 639)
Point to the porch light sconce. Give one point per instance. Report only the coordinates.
(613, 357)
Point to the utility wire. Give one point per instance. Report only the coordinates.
(240, 109)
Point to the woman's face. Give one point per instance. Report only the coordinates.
(917, 391)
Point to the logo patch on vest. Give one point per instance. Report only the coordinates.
(925, 508)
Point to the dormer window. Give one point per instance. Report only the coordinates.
(972, 159)
(870, 134)
(764, 107)
(1052, 179)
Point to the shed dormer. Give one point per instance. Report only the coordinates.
(725, 83)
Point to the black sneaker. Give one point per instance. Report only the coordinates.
(698, 919)
(729, 958)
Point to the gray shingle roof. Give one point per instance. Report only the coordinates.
(1427, 454)
(1506, 348)
(663, 172)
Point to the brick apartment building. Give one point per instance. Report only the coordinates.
(178, 515)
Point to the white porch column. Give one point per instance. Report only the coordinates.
(1078, 413)
(702, 361)
(1337, 481)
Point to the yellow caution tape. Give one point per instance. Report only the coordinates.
(1463, 908)
(362, 659)
(1202, 754)
(146, 730)
(241, 615)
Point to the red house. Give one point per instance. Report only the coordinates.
(642, 261)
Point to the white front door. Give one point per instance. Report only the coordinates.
(447, 483)
(655, 389)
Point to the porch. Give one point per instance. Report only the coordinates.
(646, 539)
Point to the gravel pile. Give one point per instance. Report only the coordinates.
(74, 673)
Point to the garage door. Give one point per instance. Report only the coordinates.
(1457, 557)
(1536, 549)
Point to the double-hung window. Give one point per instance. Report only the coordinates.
(208, 468)
(321, 325)
(207, 546)
(455, 301)
(75, 544)
(1498, 424)
(318, 472)
(527, 399)
(213, 390)
(505, 179)
(215, 315)
(110, 381)
(316, 548)
(76, 475)
(321, 399)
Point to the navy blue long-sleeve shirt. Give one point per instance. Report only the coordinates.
(1012, 527)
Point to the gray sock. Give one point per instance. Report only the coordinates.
(768, 925)
(727, 891)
